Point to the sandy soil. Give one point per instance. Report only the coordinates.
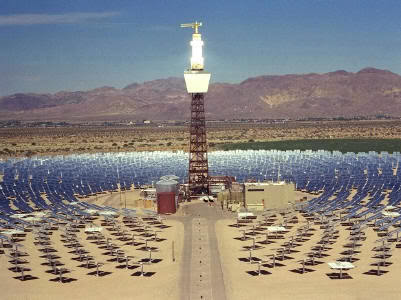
(282, 283)
(125, 199)
(119, 284)
(67, 140)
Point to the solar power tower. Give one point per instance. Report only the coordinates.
(197, 83)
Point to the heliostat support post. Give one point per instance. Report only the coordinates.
(197, 83)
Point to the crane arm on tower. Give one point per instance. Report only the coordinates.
(194, 25)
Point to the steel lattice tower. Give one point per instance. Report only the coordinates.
(197, 82)
(198, 172)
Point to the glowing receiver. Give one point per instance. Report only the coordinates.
(196, 44)
(196, 80)
(197, 58)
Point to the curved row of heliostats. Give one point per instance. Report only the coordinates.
(63, 177)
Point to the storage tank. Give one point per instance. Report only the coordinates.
(170, 177)
(163, 186)
(166, 203)
(166, 191)
(169, 181)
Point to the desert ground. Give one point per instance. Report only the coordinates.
(226, 271)
(286, 280)
(115, 280)
(228, 274)
(68, 140)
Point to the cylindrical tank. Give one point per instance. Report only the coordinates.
(170, 177)
(166, 203)
(167, 192)
(163, 186)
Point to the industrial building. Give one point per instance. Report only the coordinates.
(268, 195)
(257, 196)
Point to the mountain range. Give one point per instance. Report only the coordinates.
(335, 94)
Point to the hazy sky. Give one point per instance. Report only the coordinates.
(52, 45)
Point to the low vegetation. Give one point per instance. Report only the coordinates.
(343, 136)
(342, 145)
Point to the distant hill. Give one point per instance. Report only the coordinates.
(336, 94)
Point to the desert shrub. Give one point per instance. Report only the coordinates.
(30, 153)
(342, 145)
